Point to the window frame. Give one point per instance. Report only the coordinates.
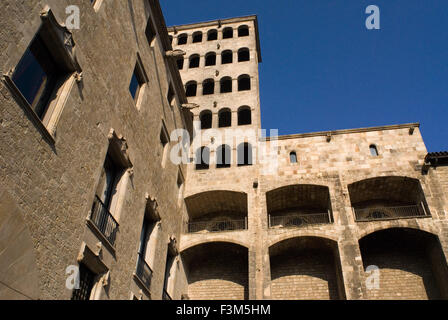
(58, 40)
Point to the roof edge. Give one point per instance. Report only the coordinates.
(344, 131)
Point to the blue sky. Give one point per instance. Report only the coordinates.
(323, 70)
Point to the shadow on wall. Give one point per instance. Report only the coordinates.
(217, 271)
(18, 270)
(411, 264)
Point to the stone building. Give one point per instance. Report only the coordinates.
(88, 185)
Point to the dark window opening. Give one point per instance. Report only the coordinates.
(208, 87)
(150, 32)
(182, 39)
(137, 81)
(373, 150)
(206, 119)
(243, 31)
(243, 55)
(226, 85)
(227, 33)
(170, 96)
(210, 59)
(244, 116)
(244, 154)
(194, 61)
(202, 158)
(109, 178)
(223, 154)
(212, 35)
(86, 283)
(180, 63)
(171, 39)
(197, 37)
(37, 75)
(225, 118)
(226, 57)
(243, 83)
(190, 89)
(293, 157)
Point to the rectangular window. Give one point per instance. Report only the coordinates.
(138, 83)
(164, 140)
(86, 283)
(170, 96)
(150, 32)
(36, 76)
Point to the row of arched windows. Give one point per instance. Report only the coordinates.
(210, 58)
(227, 33)
(225, 85)
(373, 151)
(225, 117)
(224, 156)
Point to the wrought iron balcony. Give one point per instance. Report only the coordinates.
(104, 220)
(165, 295)
(390, 213)
(299, 220)
(143, 272)
(217, 226)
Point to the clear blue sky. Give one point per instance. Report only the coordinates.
(323, 70)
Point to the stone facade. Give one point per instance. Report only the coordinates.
(304, 218)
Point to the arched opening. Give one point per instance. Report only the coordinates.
(216, 271)
(182, 39)
(191, 88)
(225, 118)
(226, 85)
(244, 152)
(202, 158)
(292, 157)
(210, 59)
(194, 61)
(373, 150)
(226, 57)
(306, 268)
(243, 82)
(212, 35)
(206, 119)
(298, 206)
(223, 156)
(403, 263)
(208, 86)
(217, 211)
(227, 33)
(384, 198)
(180, 63)
(243, 55)
(197, 37)
(243, 31)
(244, 116)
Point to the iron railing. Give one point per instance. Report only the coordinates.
(299, 220)
(143, 272)
(216, 226)
(104, 220)
(389, 213)
(165, 295)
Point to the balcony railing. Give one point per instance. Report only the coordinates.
(143, 272)
(389, 213)
(299, 220)
(165, 295)
(104, 220)
(217, 226)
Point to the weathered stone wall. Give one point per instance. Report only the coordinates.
(309, 276)
(54, 184)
